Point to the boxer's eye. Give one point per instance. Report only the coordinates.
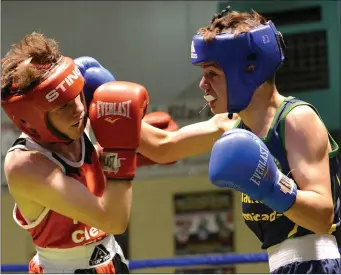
(211, 74)
(63, 107)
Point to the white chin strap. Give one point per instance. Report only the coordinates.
(209, 98)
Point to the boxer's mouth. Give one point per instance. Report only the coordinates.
(78, 122)
(209, 98)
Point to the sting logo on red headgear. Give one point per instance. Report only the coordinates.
(64, 85)
(28, 110)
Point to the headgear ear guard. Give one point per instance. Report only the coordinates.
(248, 60)
(28, 109)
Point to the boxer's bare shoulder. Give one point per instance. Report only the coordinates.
(307, 146)
(303, 121)
(20, 164)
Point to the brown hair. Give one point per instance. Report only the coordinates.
(28, 60)
(234, 22)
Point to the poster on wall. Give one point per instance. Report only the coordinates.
(204, 224)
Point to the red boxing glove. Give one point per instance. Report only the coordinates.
(161, 120)
(116, 112)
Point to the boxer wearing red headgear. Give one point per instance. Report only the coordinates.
(29, 107)
(37, 163)
(69, 205)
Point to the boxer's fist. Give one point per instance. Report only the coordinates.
(163, 121)
(116, 112)
(240, 160)
(94, 75)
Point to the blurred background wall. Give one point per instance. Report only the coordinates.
(149, 42)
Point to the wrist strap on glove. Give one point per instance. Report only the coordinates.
(119, 164)
(283, 194)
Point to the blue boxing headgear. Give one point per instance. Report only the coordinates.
(261, 49)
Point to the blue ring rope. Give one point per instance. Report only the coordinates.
(226, 259)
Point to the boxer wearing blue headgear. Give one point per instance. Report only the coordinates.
(247, 60)
(280, 156)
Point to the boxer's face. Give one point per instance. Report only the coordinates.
(213, 83)
(68, 119)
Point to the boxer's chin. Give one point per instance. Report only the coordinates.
(76, 131)
(217, 107)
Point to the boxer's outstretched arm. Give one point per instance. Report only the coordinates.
(307, 149)
(192, 140)
(33, 177)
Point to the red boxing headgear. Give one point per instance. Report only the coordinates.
(28, 109)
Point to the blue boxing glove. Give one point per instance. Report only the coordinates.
(94, 75)
(240, 160)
